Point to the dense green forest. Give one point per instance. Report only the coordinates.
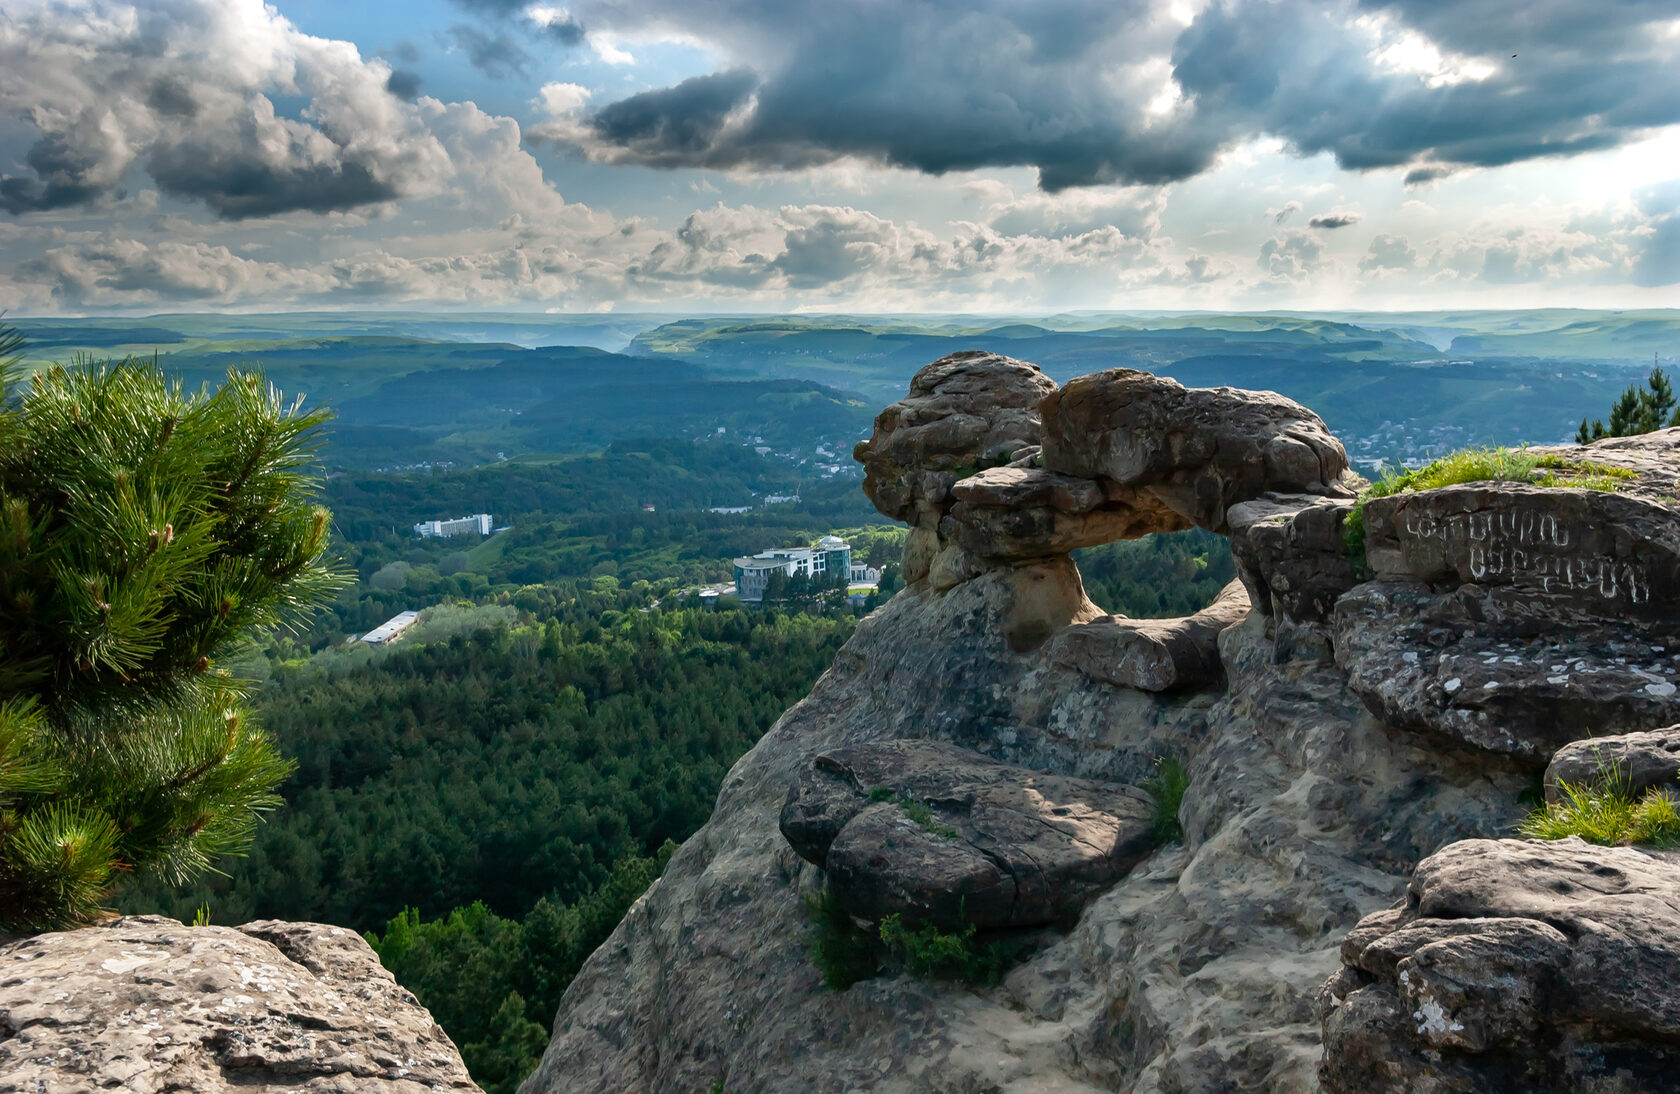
(1157, 577)
(549, 744)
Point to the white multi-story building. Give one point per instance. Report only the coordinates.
(478, 524)
(830, 555)
(389, 630)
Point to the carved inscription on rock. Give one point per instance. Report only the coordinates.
(1526, 548)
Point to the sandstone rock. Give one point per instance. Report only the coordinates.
(1515, 966)
(1152, 654)
(1310, 799)
(1196, 972)
(1006, 846)
(1014, 513)
(1290, 553)
(1488, 672)
(1199, 451)
(1639, 761)
(1558, 554)
(964, 412)
(146, 1004)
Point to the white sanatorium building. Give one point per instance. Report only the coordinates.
(478, 524)
(830, 555)
(390, 629)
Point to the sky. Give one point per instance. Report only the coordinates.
(838, 155)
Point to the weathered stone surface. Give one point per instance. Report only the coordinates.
(1016, 513)
(1561, 554)
(1199, 451)
(964, 412)
(1639, 761)
(1006, 846)
(1489, 672)
(1515, 966)
(1196, 972)
(1290, 553)
(1152, 654)
(146, 1004)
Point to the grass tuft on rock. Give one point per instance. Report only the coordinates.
(842, 949)
(1607, 814)
(1166, 791)
(1481, 465)
(847, 951)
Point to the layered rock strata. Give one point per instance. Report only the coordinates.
(1335, 729)
(145, 1004)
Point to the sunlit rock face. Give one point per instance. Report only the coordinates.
(1310, 706)
(146, 1004)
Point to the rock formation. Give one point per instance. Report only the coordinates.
(147, 1005)
(1637, 761)
(1338, 725)
(1001, 846)
(1514, 966)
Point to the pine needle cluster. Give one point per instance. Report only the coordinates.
(146, 534)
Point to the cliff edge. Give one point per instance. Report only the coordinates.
(1340, 719)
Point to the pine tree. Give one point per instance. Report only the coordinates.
(1637, 410)
(146, 534)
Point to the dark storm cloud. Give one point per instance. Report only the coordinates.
(404, 84)
(496, 55)
(1300, 73)
(936, 87)
(236, 186)
(63, 174)
(562, 28)
(181, 94)
(1334, 220)
(678, 122)
(1067, 87)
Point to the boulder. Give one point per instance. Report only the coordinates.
(1198, 451)
(1489, 673)
(964, 412)
(1638, 761)
(1291, 555)
(146, 1004)
(1515, 967)
(1556, 554)
(942, 835)
(1152, 654)
(1015, 513)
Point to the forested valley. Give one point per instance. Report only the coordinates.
(487, 796)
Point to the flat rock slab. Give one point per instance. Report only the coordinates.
(148, 1005)
(1003, 846)
(1152, 654)
(1639, 761)
(1198, 450)
(1515, 966)
(1478, 671)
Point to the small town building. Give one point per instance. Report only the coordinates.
(479, 524)
(828, 556)
(389, 630)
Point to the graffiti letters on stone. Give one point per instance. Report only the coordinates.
(1531, 548)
